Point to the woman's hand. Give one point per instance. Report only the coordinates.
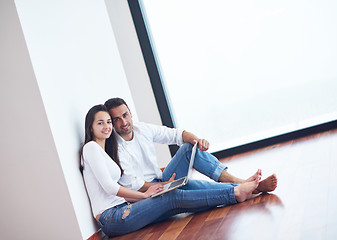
(153, 190)
(146, 185)
(135, 196)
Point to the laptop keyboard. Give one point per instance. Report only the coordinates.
(177, 182)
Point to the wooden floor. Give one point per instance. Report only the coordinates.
(304, 206)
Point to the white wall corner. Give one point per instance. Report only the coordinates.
(135, 69)
(35, 202)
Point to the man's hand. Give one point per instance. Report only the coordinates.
(170, 180)
(188, 137)
(202, 144)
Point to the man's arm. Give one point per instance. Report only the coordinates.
(188, 137)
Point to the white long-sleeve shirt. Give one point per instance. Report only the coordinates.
(138, 157)
(100, 175)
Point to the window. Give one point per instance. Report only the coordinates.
(236, 72)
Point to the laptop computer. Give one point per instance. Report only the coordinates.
(181, 181)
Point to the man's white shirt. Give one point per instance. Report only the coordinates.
(138, 157)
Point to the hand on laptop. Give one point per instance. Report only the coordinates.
(170, 180)
(153, 190)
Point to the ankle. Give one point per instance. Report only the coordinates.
(226, 177)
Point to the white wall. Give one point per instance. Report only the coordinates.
(77, 64)
(35, 202)
(64, 59)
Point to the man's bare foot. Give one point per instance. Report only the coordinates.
(267, 185)
(244, 191)
(226, 177)
(256, 175)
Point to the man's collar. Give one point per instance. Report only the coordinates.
(121, 140)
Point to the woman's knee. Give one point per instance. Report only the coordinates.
(174, 194)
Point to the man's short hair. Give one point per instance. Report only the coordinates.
(115, 102)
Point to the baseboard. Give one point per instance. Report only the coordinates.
(99, 235)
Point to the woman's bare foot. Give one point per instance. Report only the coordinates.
(267, 185)
(244, 191)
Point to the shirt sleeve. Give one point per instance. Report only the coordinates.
(163, 134)
(94, 157)
(134, 183)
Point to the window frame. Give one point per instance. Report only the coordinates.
(163, 103)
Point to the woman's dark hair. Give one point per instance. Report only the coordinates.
(111, 145)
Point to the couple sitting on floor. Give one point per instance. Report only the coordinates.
(120, 170)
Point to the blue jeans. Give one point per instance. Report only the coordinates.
(195, 196)
(156, 209)
(204, 163)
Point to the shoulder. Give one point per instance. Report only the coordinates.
(142, 126)
(147, 130)
(92, 152)
(91, 146)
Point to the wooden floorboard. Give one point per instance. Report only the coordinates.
(304, 205)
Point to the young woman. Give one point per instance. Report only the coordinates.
(120, 210)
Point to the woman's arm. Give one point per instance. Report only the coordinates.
(95, 157)
(135, 196)
(149, 184)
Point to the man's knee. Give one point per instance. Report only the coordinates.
(186, 147)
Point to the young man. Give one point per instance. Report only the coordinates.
(138, 157)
